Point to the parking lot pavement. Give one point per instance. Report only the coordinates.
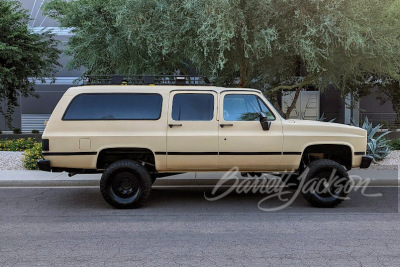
(74, 226)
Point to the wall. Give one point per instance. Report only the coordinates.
(332, 105)
(376, 112)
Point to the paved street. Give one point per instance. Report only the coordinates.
(74, 226)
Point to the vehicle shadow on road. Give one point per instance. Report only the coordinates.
(290, 202)
(75, 201)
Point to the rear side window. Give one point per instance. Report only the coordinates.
(114, 107)
(193, 107)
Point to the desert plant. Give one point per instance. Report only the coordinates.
(35, 131)
(17, 130)
(377, 147)
(31, 156)
(322, 118)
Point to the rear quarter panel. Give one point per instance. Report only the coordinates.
(65, 136)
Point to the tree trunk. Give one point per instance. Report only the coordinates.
(242, 65)
(293, 105)
(277, 107)
(276, 104)
(242, 80)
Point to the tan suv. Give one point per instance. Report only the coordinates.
(136, 133)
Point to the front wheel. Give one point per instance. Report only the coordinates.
(126, 184)
(326, 184)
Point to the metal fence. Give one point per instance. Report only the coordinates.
(31, 122)
(388, 120)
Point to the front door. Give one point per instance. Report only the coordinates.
(192, 135)
(242, 141)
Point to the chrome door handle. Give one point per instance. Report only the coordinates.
(172, 125)
(225, 125)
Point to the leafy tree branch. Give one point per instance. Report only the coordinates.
(25, 57)
(244, 43)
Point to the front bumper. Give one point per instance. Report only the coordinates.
(366, 162)
(44, 165)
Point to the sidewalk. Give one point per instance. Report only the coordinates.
(45, 179)
(48, 179)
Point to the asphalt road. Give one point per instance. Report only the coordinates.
(74, 226)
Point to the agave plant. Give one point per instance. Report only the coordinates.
(377, 147)
(322, 118)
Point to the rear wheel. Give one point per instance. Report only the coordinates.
(326, 183)
(292, 180)
(125, 184)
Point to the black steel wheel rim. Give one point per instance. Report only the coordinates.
(328, 189)
(125, 187)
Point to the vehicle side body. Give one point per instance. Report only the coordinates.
(165, 145)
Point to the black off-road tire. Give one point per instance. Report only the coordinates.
(292, 181)
(126, 184)
(336, 194)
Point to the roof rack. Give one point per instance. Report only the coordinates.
(145, 80)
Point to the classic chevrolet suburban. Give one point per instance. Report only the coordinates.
(134, 134)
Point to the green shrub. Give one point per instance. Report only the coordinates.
(393, 128)
(1, 132)
(20, 144)
(395, 144)
(17, 131)
(31, 156)
(35, 131)
(385, 124)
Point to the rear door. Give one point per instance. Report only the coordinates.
(192, 135)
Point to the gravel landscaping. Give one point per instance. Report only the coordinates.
(11, 161)
(391, 162)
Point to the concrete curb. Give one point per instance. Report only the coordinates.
(49, 183)
(186, 180)
(45, 179)
(160, 183)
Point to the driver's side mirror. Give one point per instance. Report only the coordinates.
(265, 124)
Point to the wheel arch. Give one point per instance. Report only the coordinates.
(339, 152)
(108, 155)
